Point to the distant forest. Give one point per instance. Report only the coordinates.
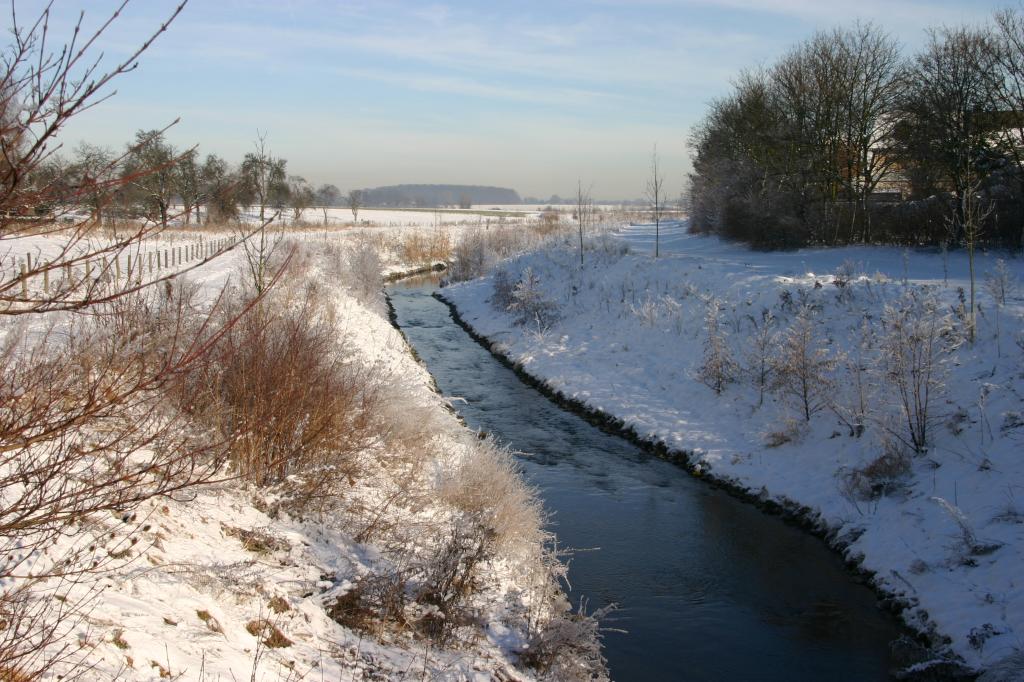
(433, 196)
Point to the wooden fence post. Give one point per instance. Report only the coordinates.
(24, 283)
(46, 280)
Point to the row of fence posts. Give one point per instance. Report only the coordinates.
(135, 265)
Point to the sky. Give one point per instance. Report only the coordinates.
(530, 95)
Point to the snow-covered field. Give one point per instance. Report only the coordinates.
(942, 528)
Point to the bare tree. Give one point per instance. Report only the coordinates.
(874, 76)
(301, 196)
(913, 353)
(220, 190)
(85, 427)
(973, 212)
(584, 212)
(655, 193)
(1006, 87)
(188, 182)
(151, 170)
(944, 129)
(92, 174)
(327, 196)
(264, 180)
(355, 202)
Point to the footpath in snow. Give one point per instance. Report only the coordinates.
(691, 351)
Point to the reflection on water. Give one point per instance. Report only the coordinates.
(710, 588)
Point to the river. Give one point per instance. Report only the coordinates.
(709, 587)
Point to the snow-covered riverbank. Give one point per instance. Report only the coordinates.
(427, 560)
(943, 528)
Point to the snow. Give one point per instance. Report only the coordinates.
(629, 341)
(182, 602)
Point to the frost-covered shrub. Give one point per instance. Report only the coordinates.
(843, 279)
(470, 257)
(364, 278)
(914, 351)
(530, 304)
(608, 246)
(646, 311)
(1000, 284)
(758, 354)
(281, 391)
(447, 576)
(568, 649)
(881, 476)
(488, 485)
(504, 287)
(803, 367)
(792, 431)
(717, 368)
(852, 403)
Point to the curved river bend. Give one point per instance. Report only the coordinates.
(710, 588)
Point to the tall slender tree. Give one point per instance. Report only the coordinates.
(655, 193)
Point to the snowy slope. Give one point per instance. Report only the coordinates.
(947, 536)
(217, 582)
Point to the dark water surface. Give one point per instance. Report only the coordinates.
(710, 588)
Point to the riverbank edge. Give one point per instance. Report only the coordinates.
(392, 316)
(393, 277)
(790, 511)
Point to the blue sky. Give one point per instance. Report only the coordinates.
(529, 94)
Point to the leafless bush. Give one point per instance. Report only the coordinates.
(530, 304)
(759, 350)
(852, 403)
(504, 288)
(449, 576)
(803, 369)
(374, 602)
(718, 368)
(471, 257)
(844, 277)
(877, 478)
(85, 424)
(914, 350)
(792, 431)
(426, 248)
(568, 648)
(86, 427)
(364, 279)
(281, 391)
(1000, 284)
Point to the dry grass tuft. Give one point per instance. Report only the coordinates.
(268, 633)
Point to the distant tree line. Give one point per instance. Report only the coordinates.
(844, 140)
(434, 196)
(152, 179)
